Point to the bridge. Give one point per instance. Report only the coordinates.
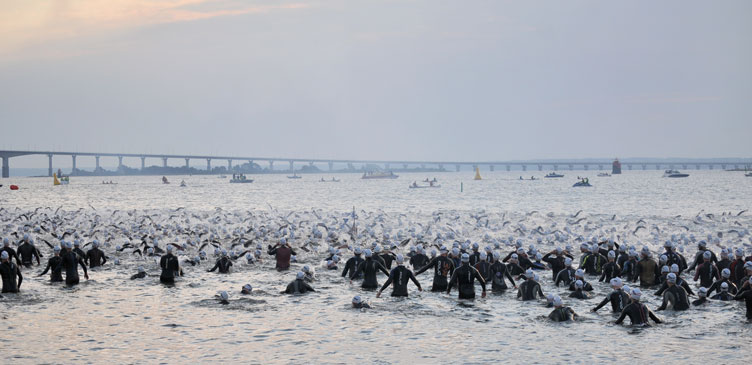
(6, 155)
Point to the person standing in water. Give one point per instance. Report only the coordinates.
(443, 267)
(55, 263)
(9, 272)
(465, 277)
(95, 257)
(170, 267)
(637, 312)
(369, 268)
(399, 276)
(282, 252)
(71, 261)
(560, 312)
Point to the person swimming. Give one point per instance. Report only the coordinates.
(140, 274)
(298, 286)
(637, 312)
(560, 312)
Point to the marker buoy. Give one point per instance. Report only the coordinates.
(14, 187)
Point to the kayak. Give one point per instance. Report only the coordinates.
(423, 186)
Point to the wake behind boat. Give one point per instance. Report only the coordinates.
(379, 175)
(240, 179)
(674, 173)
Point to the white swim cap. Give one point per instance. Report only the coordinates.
(169, 248)
(674, 268)
(557, 301)
(356, 299)
(247, 288)
(579, 273)
(665, 269)
(611, 254)
(671, 278)
(578, 284)
(616, 282)
(300, 275)
(141, 269)
(724, 286)
(306, 268)
(4, 255)
(706, 255)
(483, 256)
(367, 252)
(400, 259)
(703, 291)
(567, 261)
(223, 294)
(529, 273)
(56, 249)
(636, 293)
(358, 250)
(465, 257)
(726, 273)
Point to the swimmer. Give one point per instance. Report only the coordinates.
(483, 266)
(10, 272)
(399, 276)
(679, 281)
(223, 264)
(358, 303)
(465, 277)
(443, 267)
(95, 257)
(707, 272)
(170, 267)
(282, 253)
(725, 279)
(498, 273)
(565, 275)
(637, 312)
(140, 275)
(675, 296)
(246, 289)
(745, 293)
(419, 260)
(611, 269)
(647, 269)
(580, 275)
(310, 276)
(557, 262)
(298, 286)
(11, 252)
(224, 298)
(55, 264)
(702, 293)
(618, 298)
(352, 264)
(369, 268)
(71, 261)
(27, 252)
(578, 293)
(530, 289)
(560, 312)
(723, 294)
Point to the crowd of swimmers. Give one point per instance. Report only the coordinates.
(629, 272)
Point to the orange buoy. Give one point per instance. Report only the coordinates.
(14, 187)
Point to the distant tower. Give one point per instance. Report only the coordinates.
(616, 167)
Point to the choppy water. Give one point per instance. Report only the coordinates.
(111, 318)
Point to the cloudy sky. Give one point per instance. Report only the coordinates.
(409, 79)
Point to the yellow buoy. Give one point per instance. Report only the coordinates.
(55, 181)
(477, 173)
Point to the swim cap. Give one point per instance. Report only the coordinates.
(356, 299)
(306, 268)
(559, 250)
(739, 252)
(520, 251)
(724, 287)
(4, 255)
(400, 259)
(726, 273)
(578, 284)
(483, 256)
(117, 261)
(283, 240)
(636, 293)
(671, 278)
(579, 273)
(675, 268)
(616, 282)
(702, 292)
(367, 252)
(611, 254)
(444, 249)
(475, 245)
(663, 258)
(567, 261)
(748, 265)
(702, 244)
(465, 257)
(377, 249)
(557, 301)
(76, 243)
(496, 255)
(358, 250)
(550, 297)
(514, 256)
(538, 256)
(455, 251)
(223, 294)
(56, 249)
(95, 243)
(247, 288)
(529, 273)
(665, 269)
(6, 242)
(141, 269)
(706, 255)
(169, 248)
(300, 275)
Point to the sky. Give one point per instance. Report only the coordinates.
(410, 80)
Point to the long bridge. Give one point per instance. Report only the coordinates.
(6, 155)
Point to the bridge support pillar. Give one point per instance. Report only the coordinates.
(49, 166)
(120, 162)
(491, 167)
(524, 167)
(143, 163)
(540, 167)
(6, 166)
(229, 165)
(331, 166)
(586, 167)
(271, 165)
(164, 161)
(457, 167)
(187, 163)
(73, 169)
(96, 158)
(208, 164)
(292, 166)
(508, 167)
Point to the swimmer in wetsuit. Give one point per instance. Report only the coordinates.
(28, 252)
(725, 278)
(707, 272)
(399, 276)
(352, 264)
(369, 268)
(71, 261)
(675, 295)
(724, 293)
(465, 277)
(9, 272)
(224, 263)
(170, 267)
(637, 312)
(565, 275)
(560, 312)
(745, 293)
(95, 257)
(611, 269)
(530, 289)
(498, 272)
(702, 293)
(11, 252)
(358, 303)
(619, 298)
(140, 275)
(55, 264)
(298, 286)
(443, 267)
(578, 293)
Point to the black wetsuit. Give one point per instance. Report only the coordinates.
(717, 286)
(170, 268)
(443, 267)
(55, 263)
(474, 258)
(223, 264)
(95, 257)
(700, 301)
(565, 276)
(399, 276)
(530, 290)
(484, 268)
(618, 298)
(298, 286)
(680, 282)
(647, 270)
(498, 272)
(562, 314)
(515, 269)
(610, 271)
(557, 264)
(585, 285)
(9, 272)
(724, 295)
(11, 253)
(361, 306)
(700, 258)
(579, 294)
(707, 273)
(723, 264)
(629, 270)
(594, 263)
(418, 261)
(70, 261)
(746, 294)
(351, 266)
(140, 275)
(676, 295)
(369, 268)
(387, 258)
(465, 277)
(79, 252)
(638, 313)
(737, 271)
(28, 252)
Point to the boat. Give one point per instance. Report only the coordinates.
(582, 183)
(616, 167)
(295, 176)
(240, 179)
(674, 173)
(108, 183)
(222, 176)
(749, 174)
(63, 180)
(379, 175)
(164, 180)
(332, 180)
(604, 174)
(183, 184)
(553, 174)
(415, 185)
(477, 174)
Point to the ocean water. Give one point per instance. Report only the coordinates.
(110, 318)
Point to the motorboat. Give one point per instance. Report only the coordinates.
(674, 173)
(604, 174)
(240, 179)
(63, 180)
(370, 175)
(183, 184)
(164, 180)
(295, 176)
(430, 185)
(332, 180)
(553, 174)
(749, 174)
(582, 183)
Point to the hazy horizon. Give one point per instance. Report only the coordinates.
(376, 80)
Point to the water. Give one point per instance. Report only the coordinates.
(111, 318)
